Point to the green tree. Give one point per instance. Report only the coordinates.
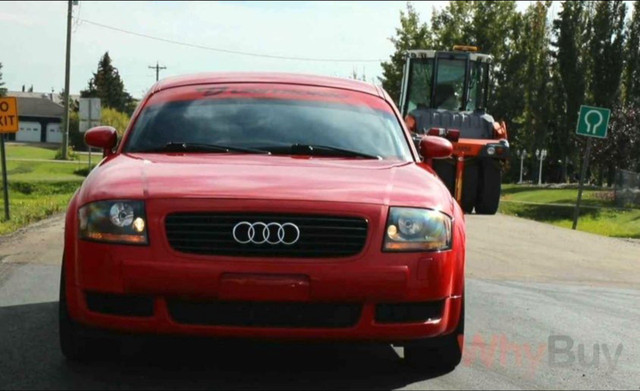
(632, 55)
(607, 52)
(107, 85)
(631, 116)
(570, 33)
(606, 49)
(3, 91)
(74, 104)
(412, 34)
(497, 29)
(453, 25)
(536, 86)
(508, 72)
(114, 118)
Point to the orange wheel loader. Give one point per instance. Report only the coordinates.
(445, 94)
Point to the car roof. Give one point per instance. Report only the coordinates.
(262, 77)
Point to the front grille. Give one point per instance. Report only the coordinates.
(265, 314)
(212, 234)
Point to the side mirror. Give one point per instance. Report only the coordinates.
(104, 137)
(435, 147)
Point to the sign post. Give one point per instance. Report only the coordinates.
(8, 124)
(90, 115)
(592, 122)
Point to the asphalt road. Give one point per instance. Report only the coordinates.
(546, 308)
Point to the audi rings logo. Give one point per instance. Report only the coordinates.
(260, 233)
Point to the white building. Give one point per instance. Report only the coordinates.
(39, 116)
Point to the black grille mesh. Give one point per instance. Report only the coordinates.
(211, 234)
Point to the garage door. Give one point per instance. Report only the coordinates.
(29, 132)
(54, 134)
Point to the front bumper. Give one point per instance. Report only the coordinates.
(162, 275)
(365, 329)
(481, 148)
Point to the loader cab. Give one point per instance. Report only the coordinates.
(455, 81)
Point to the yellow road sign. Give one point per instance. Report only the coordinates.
(8, 115)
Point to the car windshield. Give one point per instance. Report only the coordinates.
(262, 122)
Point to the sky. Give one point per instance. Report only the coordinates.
(32, 50)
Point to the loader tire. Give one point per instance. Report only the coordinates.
(489, 187)
(446, 170)
(469, 187)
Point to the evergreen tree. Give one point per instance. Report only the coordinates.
(506, 101)
(74, 105)
(107, 85)
(632, 55)
(632, 89)
(606, 51)
(569, 32)
(503, 41)
(453, 25)
(537, 82)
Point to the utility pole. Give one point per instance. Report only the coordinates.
(67, 70)
(157, 68)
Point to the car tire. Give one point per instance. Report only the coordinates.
(469, 187)
(76, 341)
(489, 187)
(437, 354)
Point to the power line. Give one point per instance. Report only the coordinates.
(197, 46)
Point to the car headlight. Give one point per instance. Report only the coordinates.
(118, 221)
(413, 229)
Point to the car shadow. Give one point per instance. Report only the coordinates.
(32, 359)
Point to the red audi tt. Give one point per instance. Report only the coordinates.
(274, 206)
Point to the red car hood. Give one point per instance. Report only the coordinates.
(248, 176)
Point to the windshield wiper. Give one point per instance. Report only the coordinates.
(202, 147)
(320, 150)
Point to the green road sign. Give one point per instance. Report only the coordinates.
(593, 121)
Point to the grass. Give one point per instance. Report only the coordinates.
(555, 206)
(527, 193)
(38, 189)
(28, 152)
(37, 205)
(29, 171)
(19, 151)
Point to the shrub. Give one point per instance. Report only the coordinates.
(72, 155)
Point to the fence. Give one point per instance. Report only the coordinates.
(627, 189)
